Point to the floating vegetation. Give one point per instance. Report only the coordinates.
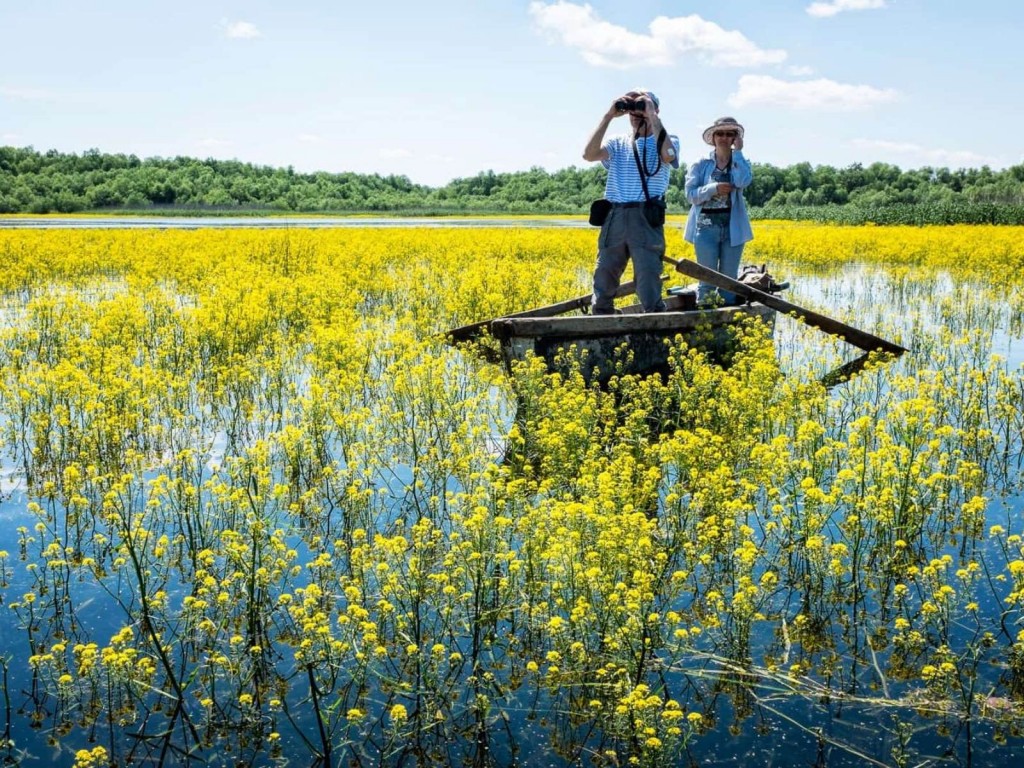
(258, 511)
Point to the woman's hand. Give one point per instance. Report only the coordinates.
(724, 188)
(737, 143)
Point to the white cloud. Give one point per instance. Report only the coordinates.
(9, 137)
(396, 154)
(820, 94)
(604, 44)
(310, 138)
(800, 71)
(957, 158)
(213, 143)
(717, 46)
(240, 30)
(823, 10)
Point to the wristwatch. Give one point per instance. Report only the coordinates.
(671, 152)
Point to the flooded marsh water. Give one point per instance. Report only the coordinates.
(256, 511)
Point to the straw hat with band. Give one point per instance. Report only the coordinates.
(722, 122)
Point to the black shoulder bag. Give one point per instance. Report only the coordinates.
(599, 210)
(654, 208)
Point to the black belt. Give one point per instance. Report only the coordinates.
(635, 204)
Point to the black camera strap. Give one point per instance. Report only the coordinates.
(643, 176)
(642, 169)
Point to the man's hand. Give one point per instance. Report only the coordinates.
(614, 111)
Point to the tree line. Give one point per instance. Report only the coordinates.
(55, 182)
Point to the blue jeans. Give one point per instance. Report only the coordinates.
(711, 242)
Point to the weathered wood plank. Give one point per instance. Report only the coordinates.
(617, 325)
(471, 331)
(672, 304)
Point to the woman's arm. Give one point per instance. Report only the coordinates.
(696, 191)
(741, 174)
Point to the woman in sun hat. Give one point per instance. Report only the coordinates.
(718, 224)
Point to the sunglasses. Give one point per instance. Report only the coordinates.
(727, 134)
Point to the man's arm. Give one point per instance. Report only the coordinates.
(594, 150)
(670, 148)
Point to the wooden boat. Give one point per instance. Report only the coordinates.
(636, 342)
(632, 342)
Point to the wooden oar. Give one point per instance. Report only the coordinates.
(862, 339)
(471, 331)
(845, 372)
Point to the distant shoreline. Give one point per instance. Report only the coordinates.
(100, 221)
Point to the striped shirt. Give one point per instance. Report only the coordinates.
(623, 185)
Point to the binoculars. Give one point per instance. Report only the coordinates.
(629, 105)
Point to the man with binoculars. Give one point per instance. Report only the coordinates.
(632, 215)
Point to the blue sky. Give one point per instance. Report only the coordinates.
(442, 89)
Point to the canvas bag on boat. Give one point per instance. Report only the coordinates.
(756, 278)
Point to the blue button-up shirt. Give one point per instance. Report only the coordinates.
(700, 188)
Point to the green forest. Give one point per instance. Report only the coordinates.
(55, 182)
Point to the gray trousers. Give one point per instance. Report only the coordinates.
(624, 235)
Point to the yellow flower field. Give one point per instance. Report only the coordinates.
(262, 510)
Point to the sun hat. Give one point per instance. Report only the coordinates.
(722, 122)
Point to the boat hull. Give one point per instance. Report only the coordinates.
(608, 345)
